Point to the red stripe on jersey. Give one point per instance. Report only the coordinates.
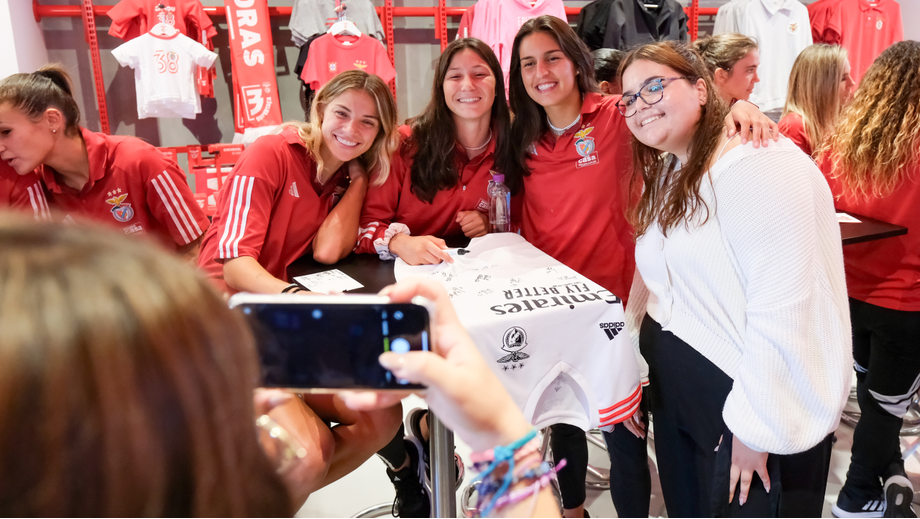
(240, 197)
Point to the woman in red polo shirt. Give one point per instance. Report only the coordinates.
(301, 190)
(121, 181)
(437, 189)
(872, 163)
(573, 159)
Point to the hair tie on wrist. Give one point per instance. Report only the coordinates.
(292, 288)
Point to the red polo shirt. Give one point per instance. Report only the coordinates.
(575, 198)
(864, 28)
(270, 207)
(133, 187)
(884, 272)
(793, 127)
(22, 192)
(394, 201)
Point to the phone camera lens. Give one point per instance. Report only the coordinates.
(317, 314)
(400, 345)
(397, 315)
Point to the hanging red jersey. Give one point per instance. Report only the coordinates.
(330, 55)
(864, 29)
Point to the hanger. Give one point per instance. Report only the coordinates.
(343, 26)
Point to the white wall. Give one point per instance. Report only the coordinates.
(910, 15)
(21, 38)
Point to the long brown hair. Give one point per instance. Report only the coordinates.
(434, 134)
(49, 87)
(377, 158)
(876, 138)
(813, 89)
(125, 384)
(672, 197)
(529, 123)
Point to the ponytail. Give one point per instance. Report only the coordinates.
(49, 87)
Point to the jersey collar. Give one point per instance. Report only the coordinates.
(97, 154)
(771, 7)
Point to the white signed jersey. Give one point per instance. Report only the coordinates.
(165, 73)
(555, 339)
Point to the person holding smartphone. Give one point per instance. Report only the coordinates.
(571, 159)
(300, 192)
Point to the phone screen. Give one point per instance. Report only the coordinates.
(335, 346)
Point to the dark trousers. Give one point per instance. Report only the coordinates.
(688, 393)
(630, 479)
(569, 443)
(886, 348)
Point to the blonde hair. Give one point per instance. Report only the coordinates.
(876, 138)
(813, 86)
(49, 87)
(125, 383)
(722, 51)
(377, 158)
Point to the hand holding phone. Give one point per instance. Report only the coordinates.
(327, 343)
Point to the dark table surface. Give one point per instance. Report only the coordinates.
(868, 229)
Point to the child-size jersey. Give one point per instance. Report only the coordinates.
(164, 73)
(22, 192)
(575, 198)
(556, 340)
(270, 207)
(131, 18)
(133, 187)
(395, 203)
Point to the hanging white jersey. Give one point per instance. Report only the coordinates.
(164, 73)
(555, 339)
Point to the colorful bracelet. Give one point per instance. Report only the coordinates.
(500, 455)
(541, 475)
(482, 460)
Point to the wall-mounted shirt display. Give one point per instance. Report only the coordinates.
(637, 22)
(164, 73)
(330, 55)
(864, 29)
(310, 17)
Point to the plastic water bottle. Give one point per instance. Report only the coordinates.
(500, 208)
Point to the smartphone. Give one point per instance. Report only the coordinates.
(320, 344)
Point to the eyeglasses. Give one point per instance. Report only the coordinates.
(651, 93)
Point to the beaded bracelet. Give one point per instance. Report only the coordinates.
(482, 460)
(541, 475)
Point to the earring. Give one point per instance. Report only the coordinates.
(53, 131)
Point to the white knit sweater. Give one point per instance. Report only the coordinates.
(759, 290)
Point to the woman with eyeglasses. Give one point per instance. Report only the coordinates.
(739, 300)
(571, 159)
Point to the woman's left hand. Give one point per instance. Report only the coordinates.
(473, 223)
(754, 125)
(745, 462)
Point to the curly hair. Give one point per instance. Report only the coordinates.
(876, 138)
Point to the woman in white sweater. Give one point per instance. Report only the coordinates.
(739, 303)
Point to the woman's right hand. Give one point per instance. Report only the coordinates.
(419, 250)
(462, 390)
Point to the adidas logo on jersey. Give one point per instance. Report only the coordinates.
(612, 329)
(293, 190)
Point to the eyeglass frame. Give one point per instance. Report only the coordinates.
(638, 95)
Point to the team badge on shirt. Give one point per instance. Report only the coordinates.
(584, 145)
(879, 24)
(332, 66)
(792, 28)
(120, 210)
(513, 341)
(360, 64)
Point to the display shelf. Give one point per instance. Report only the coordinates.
(87, 11)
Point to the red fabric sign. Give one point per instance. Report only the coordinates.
(256, 101)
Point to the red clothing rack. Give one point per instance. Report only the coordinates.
(88, 12)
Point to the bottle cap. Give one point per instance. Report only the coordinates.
(498, 177)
